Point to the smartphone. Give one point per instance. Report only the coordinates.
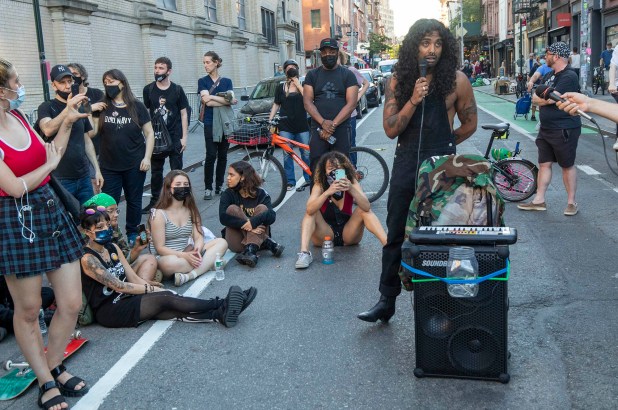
(141, 230)
(74, 89)
(339, 173)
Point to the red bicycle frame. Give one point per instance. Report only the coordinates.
(283, 143)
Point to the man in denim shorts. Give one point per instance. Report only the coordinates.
(559, 132)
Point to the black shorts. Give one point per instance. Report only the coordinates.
(124, 313)
(558, 145)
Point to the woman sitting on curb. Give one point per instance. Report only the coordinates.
(120, 298)
(329, 208)
(178, 237)
(144, 265)
(246, 212)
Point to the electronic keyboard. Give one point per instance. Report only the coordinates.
(479, 235)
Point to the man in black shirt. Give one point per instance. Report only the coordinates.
(168, 101)
(72, 172)
(559, 132)
(330, 93)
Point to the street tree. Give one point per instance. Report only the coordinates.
(378, 44)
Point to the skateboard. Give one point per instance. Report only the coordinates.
(20, 376)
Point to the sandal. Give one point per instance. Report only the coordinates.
(54, 401)
(68, 388)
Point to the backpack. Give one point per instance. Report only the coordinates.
(178, 88)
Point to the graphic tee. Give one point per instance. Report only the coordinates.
(168, 103)
(329, 89)
(123, 145)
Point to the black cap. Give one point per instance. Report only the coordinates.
(290, 62)
(329, 42)
(58, 72)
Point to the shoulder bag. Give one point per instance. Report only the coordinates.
(202, 105)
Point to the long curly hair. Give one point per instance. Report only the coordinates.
(166, 198)
(251, 182)
(406, 69)
(337, 160)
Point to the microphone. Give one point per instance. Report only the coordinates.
(422, 66)
(548, 93)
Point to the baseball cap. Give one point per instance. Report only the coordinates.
(329, 42)
(58, 72)
(560, 49)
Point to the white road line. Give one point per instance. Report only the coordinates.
(588, 170)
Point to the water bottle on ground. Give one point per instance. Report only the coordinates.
(462, 264)
(42, 324)
(328, 249)
(219, 272)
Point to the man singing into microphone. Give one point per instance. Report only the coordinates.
(559, 132)
(413, 103)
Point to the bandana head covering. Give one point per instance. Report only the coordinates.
(100, 199)
(560, 49)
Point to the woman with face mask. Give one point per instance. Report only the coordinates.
(330, 208)
(120, 298)
(247, 214)
(124, 153)
(293, 125)
(38, 237)
(185, 249)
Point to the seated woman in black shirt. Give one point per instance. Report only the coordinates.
(329, 208)
(246, 212)
(120, 298)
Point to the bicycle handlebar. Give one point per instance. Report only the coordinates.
(274, 121)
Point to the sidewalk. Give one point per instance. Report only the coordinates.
(608, 127)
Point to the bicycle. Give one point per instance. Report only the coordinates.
(514, 178)
(371, 169)
(598, 80)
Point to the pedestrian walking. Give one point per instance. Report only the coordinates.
(559, 132)
(575, 61)
(419, 112)
(167, 102)
(606, 59)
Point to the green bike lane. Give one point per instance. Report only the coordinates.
(505, 109)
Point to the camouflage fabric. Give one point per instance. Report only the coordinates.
(454, 190)
(119, 239)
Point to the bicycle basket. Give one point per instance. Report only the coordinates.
(249, 133)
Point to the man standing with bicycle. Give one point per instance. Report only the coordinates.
(419, 112)
(559, 132)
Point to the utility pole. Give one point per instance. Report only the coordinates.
(39, 39)
(461, 31)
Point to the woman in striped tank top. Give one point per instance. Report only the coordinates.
(177, 236)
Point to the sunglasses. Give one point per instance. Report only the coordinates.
(92, 211)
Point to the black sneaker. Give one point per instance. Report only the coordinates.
(250, 294)
(147, 209)
(218, 190)
(231, 308)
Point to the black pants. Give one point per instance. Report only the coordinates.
(156, 169)
(215, 151)
(319, 147)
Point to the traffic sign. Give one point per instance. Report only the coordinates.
(460, 31)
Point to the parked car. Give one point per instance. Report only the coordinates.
(373, 96)
(261, 99)
(386, 67)
(378, 78)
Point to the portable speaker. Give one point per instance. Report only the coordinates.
(460, 337)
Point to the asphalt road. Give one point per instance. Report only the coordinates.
(300, 345)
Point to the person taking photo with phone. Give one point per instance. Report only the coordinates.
(330, 210)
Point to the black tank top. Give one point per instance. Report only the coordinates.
(97, 293)
(436, 126)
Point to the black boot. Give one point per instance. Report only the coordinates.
(383, 310)
(250, 294)
(274, 247)
(249, 256)
(230, 309)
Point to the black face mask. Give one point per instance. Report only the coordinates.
(63, 94)
(329, 62)
(77, 80)
(330, 178)
(160, 77)
(292, 72)
(180, 193)
(112, 91)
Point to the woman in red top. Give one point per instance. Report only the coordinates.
(334, 192)
(38, 237)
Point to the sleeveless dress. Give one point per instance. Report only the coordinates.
(37, 234)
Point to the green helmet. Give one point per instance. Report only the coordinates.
(500, 154)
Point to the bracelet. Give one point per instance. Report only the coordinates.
(323, 121)
(151, 288)
(416, 105)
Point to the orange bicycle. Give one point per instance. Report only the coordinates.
(255, 132)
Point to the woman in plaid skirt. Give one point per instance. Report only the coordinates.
(38, 237)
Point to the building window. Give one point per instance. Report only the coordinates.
(240, 9)
(268, 26)
(316, 19)
(299, 46)
(211, 10)
(167, 4)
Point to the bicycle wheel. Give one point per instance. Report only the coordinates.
(271, 171)
(371, 172)
(595, 85)
(515, 179)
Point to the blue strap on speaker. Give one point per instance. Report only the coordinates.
(433, 278)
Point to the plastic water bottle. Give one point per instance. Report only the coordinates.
(42, 324)
(331, 140)
(462, 264)
(328, 249)
(219, 272)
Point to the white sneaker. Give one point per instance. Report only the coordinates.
(615, 145)
(180, 279)
(304, 260)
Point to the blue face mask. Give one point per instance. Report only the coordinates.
(21, 97)
(103, 237)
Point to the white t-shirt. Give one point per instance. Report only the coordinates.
(575, 61)
(614, 61)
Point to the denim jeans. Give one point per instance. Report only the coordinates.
(288, 161)
(156, 171)
(132, 182)
(353, 139)
(80, 188)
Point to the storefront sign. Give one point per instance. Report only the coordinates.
(563, 19)
(537, 23)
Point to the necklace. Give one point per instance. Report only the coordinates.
(122, 104)
(102, 252)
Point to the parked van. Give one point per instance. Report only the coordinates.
(386, 66)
